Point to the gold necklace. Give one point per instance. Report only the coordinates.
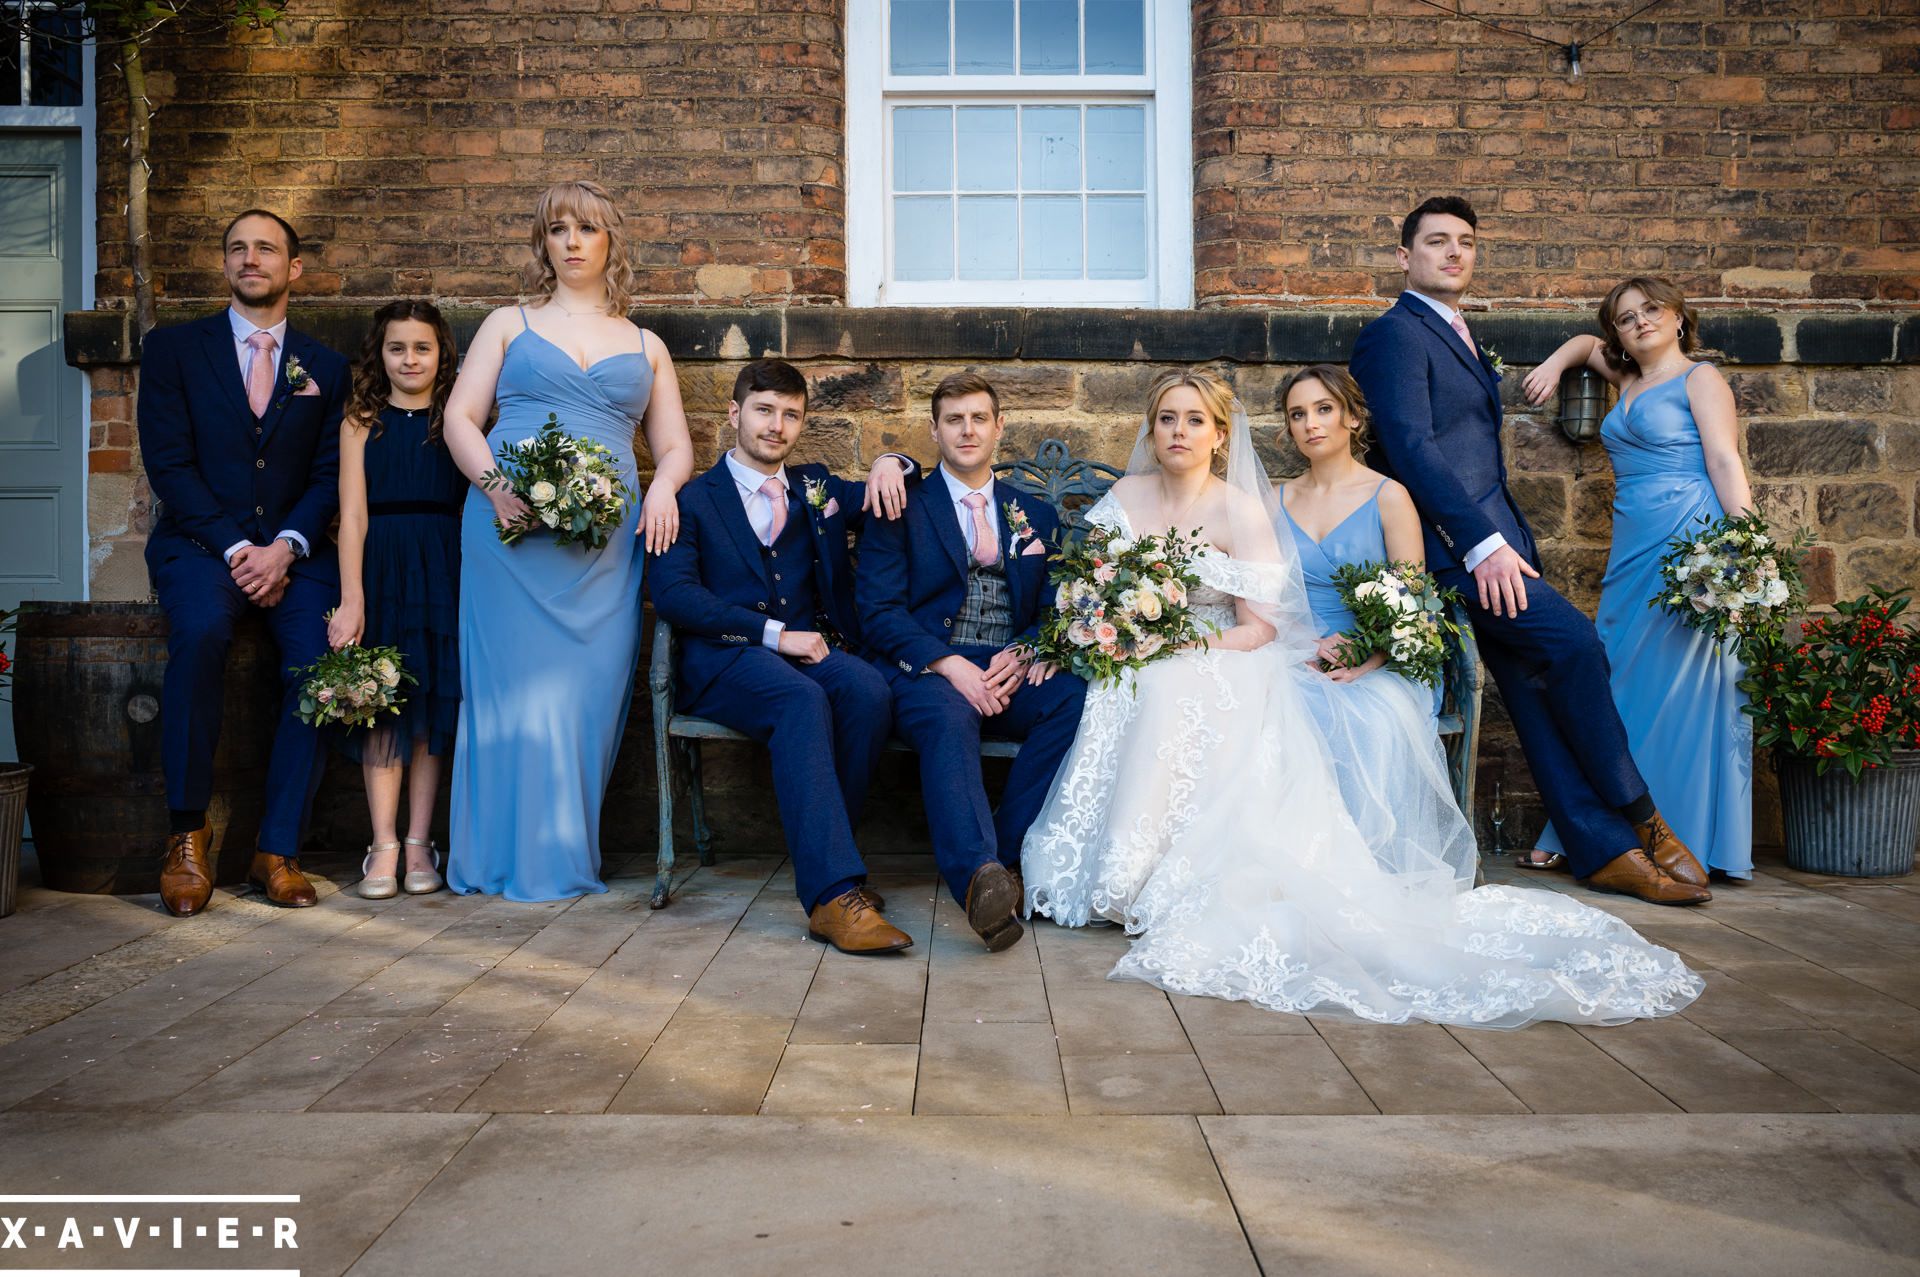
(1185, 510)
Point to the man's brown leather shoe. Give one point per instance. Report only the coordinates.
(1632, 874)
(280, 878)
(992, 900)
(850, 923)
(1658, 841)
(874, 898)
(186, 879)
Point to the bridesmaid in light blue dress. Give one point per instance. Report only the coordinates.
(1380, 727)
(1673, 439)
(550, 634)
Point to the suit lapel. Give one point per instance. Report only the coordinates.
(223, 363)
(1441, 329)
(1003, 496)
(817, 523)
(725, 495)
(946, 526)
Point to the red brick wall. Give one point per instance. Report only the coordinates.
(409, 144)
(1744, 148)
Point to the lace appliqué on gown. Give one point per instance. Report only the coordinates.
(1199, 810)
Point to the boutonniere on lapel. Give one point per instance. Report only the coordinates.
(817, 498)
(1020, 531)
(299, 380)
(1494, 362)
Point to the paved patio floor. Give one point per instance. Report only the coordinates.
(464, 1085)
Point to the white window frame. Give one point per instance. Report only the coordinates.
(1167, 93)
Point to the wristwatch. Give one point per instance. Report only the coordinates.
(292, 545)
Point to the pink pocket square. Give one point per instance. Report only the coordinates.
(1034, 547)
(311, 388)
(831, 508)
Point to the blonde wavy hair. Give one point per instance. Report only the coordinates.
(586, 202)
(1216, 396)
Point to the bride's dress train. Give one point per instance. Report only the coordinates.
(1198, 808)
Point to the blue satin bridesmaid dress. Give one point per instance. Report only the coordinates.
(549, 638)
(1677, 689)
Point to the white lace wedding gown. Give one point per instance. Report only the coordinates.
(1198, 809)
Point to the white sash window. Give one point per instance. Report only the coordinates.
(1019, 152)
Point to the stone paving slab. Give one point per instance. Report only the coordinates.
(779, 1196)
(1466, 1196)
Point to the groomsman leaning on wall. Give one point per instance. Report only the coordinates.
(240, 429)
(756, 583)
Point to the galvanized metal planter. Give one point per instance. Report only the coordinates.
(1863, 828)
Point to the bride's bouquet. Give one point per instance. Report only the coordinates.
(1399, 609)
(1121, 602)
(353, 686)
(572, 487)
(1733, 577)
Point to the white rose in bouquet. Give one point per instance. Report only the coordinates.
(543, 493)
(550, 517)
(1146, 604)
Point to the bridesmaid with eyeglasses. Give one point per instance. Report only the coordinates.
(1674, 441)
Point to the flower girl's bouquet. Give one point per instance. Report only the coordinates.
(353, 686)
(1121, 602)
(1733, 577)
(1399, 609)
(572, 487)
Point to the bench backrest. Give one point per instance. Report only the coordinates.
(1068, 483)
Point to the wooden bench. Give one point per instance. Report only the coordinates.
(1071, 485)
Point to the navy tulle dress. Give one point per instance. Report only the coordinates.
(410, 575)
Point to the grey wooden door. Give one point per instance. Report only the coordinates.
(43, 453)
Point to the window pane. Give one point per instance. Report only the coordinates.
(989, 237)
(919, 37)
(1050, 148)
(1116, 148)
(55, 60)
(1049, 37)
(1117, 237)
(1116, 37)
(1050, 237)
(983, 37)
(922, 148)
(923, 237)
(986, 149)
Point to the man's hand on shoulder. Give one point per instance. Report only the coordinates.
(1502, 578)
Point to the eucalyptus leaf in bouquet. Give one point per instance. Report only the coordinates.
(1401, 610)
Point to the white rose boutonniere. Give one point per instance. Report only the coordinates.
(1498, 364)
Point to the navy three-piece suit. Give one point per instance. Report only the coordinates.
(222, 476)
(718, 585)
(1437, 416)
(911, 589)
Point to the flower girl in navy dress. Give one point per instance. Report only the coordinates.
(1674, 441)
(1379, 727)
(400, 496)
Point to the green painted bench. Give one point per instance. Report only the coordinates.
(1070, 484)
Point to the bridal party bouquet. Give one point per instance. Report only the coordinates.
(353, 686)
(1399, 609)
(1121, 602)
(1733, 577)
(572, 487)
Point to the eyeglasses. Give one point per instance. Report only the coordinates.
(1652, 312)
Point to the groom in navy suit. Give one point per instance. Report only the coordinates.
(1434, 396)
(755, 581)
(950, 599)
(240, 431)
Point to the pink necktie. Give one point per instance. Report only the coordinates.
(986, 550)
(776, 494)
(260, 372)
(1460, 326)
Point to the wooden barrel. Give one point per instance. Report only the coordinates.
(86, 714)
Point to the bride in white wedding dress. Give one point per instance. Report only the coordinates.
(1198, 807)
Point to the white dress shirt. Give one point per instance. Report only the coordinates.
(759, 508)
(243, 328)
(1478, 554)
(964, 513)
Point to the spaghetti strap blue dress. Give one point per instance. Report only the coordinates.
(549, 638)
